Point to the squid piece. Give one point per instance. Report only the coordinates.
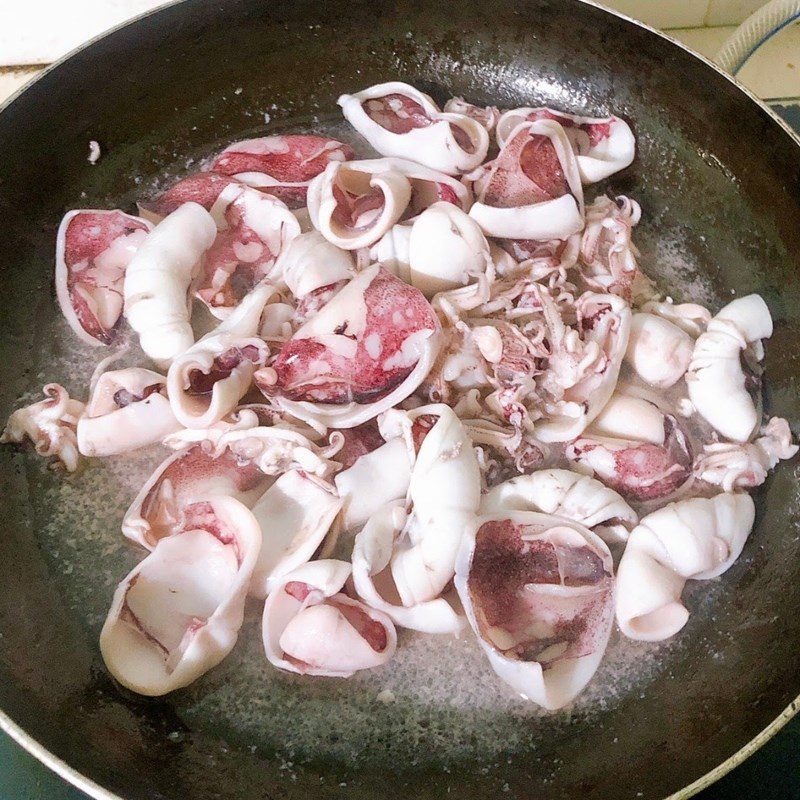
(369, 348)
(157, 281)
(398, 120)
(311, 628)
(532, 189)
(698, 538)
(372, 577)
(355, 204)
(253, 229)
(183, 479)
(209, 379)
(128, 409)
(372, 481)
(587, 370)
(93, 250)
(444, 495)
(538, 591)
(178, 613)
(658, 350)
(486, 116)
(636, 449)
(607, 253)
(717, 383)
(295, 514)
(311, 263)
(392, 251)
(402, 563)
(202, 188)
(282, 166)
(565, 494)
(602, 145)
(731, 465)
(689, 317)
(446, 250)
(50, 424)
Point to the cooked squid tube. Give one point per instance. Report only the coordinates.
(716, 379)
(158, 280)
(311, 628)
(565, 494)
(696, 538)
(128, 410)
(178, 613)
(538, 591)
(208, 380)
(399, 120)
(295, 514)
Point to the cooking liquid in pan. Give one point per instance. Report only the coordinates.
(438, 701)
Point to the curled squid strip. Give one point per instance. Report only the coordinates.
(366, 350)
(295, 514)
(209, 379)
(486, 116)
(311, 263)
(716, 380)
(565, 494)
(399, 120)
(373, 548)
(636, 449)
(602, 145)
(731, 465)
(184, 478)
(282, 166)
(312, 628)
(532, 190)
(50, 424)
(128, 409)
(253, 229)
(696, 538)
(202, 188)
(158, 279)
(658, 350)
(538, 591)
(178, 613)
(93, 251)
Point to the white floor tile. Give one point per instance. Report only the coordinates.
(663, 13)
(731, 12)
(26, 39)
(12, 79)
(772, 72)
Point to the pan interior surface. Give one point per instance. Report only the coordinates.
(719, 186)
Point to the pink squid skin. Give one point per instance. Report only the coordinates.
(307, 369)
(309, 304)
(224, 364)
(400, 114)
(194, 475)
(358, 442)
(526, 171)
(596, 131)
(295, 158)
(88, 235)
(203, 188)
(504, 564)
(642, 470)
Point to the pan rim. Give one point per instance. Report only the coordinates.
(94, 790)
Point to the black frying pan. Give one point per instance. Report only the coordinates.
(718, 178)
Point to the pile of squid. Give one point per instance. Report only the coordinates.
(439, 393)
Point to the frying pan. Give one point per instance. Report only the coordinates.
(719, 181)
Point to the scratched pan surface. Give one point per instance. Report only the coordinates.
(720, 184)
